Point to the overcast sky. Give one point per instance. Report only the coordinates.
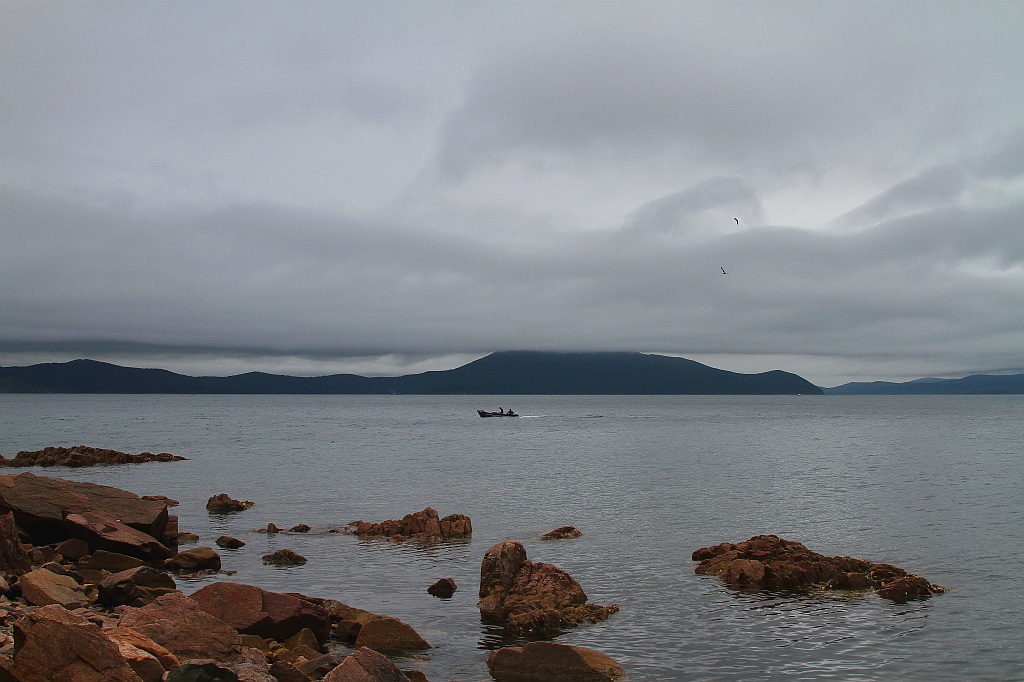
(389, 187)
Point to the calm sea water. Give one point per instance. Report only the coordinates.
(932, 484)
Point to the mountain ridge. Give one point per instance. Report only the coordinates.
(504, 372)
(975, 384)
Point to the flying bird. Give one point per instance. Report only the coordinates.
(724, 272)
(737, 220)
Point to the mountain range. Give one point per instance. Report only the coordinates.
(503, 373)
(975, 384)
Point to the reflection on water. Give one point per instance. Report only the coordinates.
(931, 484)
(495, 636)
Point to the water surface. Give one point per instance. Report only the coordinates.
(930, 483)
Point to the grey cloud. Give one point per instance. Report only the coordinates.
(720, 87)
(301, 283)
(935, 186)
(234, 180)
(724, 196)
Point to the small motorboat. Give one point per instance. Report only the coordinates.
(510, 413)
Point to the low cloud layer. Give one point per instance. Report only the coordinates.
(393, 187)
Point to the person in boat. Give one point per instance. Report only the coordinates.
(501, 410)
(510, 412)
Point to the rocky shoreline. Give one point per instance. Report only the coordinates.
(88, 592)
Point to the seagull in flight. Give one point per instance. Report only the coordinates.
(737, 220)
(724, 272)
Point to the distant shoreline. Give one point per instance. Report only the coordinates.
(503, 373)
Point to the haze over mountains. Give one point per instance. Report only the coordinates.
(504, 373)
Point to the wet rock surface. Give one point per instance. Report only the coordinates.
(73, 608)
(536, 598)
(551, 661)
(284, 557)
(222, 503)
(443, 588)
(772, 563)
(423, 526)
(390, 636)
(562, 533)
(82, 456)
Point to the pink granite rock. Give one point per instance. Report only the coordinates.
(175, 622)
(251, 610)
(55, 644)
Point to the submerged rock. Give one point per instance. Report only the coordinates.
(772, 563)
(551, 661)
(284, 557)
(187, 538)
(563, 533)
(443, 588)
(537, 598)
(228, 542)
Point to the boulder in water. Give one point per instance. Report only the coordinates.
(536, 598)
(222, 503)
(772, 563)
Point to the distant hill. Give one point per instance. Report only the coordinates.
(505, 373)
(976, 384)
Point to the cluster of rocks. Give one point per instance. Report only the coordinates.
(88, 593)
(772, 563)
(82, 456)
(422, 526)
(224, 631)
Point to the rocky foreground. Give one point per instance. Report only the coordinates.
(89, 594)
